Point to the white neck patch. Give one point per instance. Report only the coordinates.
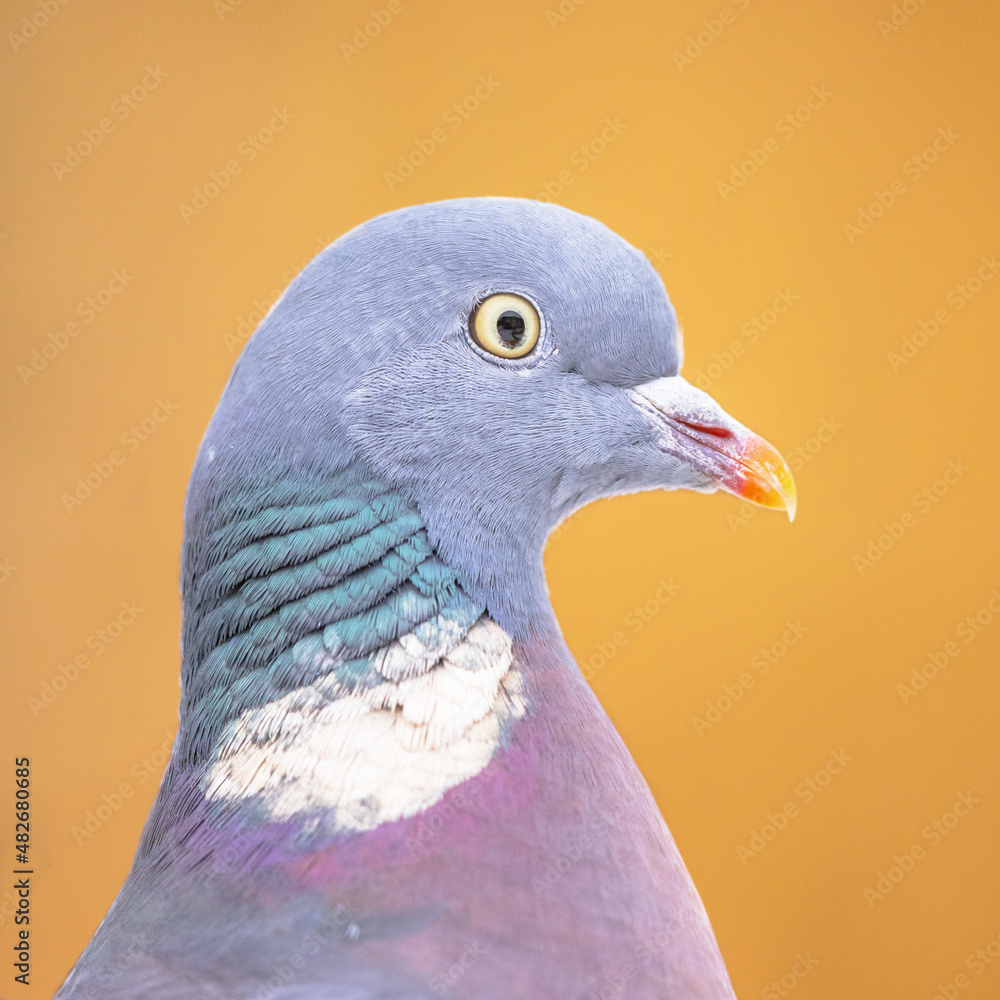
(383, 752)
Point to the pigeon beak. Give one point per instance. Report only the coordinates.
(690, 425)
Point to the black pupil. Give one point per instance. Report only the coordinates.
(510, 328)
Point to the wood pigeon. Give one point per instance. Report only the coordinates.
(390, 779)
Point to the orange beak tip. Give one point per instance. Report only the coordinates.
(764, 477)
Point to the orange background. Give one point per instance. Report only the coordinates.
(219, 71)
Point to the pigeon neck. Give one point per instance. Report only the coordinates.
(290, 580)
(317, 612)
(499, 561)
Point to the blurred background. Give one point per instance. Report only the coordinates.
(814, 705)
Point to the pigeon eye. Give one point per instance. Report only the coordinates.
(505, 325)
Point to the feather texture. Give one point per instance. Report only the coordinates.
(340, 671)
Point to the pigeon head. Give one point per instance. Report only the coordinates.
(501, 362)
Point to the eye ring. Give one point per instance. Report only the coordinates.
(505, 325)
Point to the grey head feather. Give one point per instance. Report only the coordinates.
(367, 356)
